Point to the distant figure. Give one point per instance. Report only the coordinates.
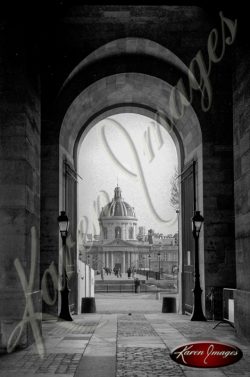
(133, 272)
(129, 272)
(137, 285)
(102, 274)
(119, 272)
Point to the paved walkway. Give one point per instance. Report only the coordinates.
(121, 344)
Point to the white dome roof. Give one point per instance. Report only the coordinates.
(117, 207)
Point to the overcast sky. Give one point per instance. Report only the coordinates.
(140, 155)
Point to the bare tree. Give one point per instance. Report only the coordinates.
(175, 191)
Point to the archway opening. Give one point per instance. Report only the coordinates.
(149, 96)
(128, 205)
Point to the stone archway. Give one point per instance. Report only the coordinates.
(137, 92)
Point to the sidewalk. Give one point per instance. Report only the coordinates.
(128, 344)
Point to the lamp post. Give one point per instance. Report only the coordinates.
(197, 314)
(159, 259)
(63, 222)
(178, 240)
(148, 272)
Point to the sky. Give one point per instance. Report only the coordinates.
(138, 154)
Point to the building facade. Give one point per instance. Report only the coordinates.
(120, 244)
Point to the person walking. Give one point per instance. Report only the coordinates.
(129, 272)
(137, 285)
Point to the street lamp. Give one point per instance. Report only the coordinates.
(63, 223)
(149, 260)
(159, 258)
(178, 241)
(197, 314)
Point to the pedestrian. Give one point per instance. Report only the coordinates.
(102, 274)
(137, 285)
(129, 272)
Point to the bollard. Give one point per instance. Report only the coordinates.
(88, 305)
(168, 305)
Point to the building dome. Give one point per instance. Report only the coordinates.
(117, 207)
(118, 220)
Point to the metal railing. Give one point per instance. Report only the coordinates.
(144, 288)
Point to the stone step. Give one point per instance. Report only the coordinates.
(116, 282)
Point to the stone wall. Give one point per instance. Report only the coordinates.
(242, 188)
(49, 214)
(19, 186)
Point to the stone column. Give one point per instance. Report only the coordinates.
(50, 237)
(111, 260)
(19, 191)
(126, 232)
(123, 262)
(134, 231)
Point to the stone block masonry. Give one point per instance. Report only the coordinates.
(19, 191)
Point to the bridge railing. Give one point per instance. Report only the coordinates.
(123, 287)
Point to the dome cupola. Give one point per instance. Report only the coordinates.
(117, 219)
(118, 207)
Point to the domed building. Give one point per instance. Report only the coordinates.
(117, 245)
(120, 245)
(118, 220)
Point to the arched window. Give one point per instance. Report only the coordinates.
(118, 232)
(105, 233)
(131, 233)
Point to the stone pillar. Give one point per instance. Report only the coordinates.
(123, 227)
(242, 190)
(123, 262)
(49, 207)
(134, 231)
(111, 260)
(126, 232)
(19, 190)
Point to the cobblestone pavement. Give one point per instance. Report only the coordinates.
(151, 360)
(57, 363)
(62, 328)
(135, 325)
(127, 344)
(64, 343)
(145, 362)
